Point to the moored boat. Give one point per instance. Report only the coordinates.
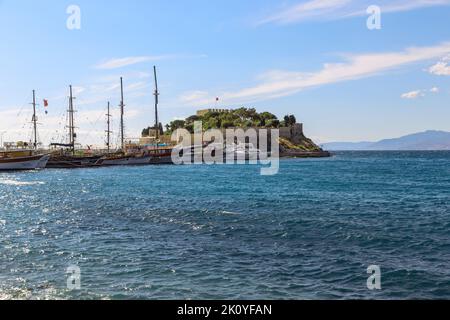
(71, 162)
(161, 156)
(25, 159)
(124, 160)
(43, 161)
(131, 154)
(22, 160)
(67, 157)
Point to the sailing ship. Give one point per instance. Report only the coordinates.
(141, 155)
(25, 159)
(66, 157)
(122, 157)
(160, 155)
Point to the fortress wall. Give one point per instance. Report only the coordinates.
(292, 132)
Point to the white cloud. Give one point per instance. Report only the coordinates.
(412, 95)
(128, 61)
(282, 83)
(340, 9)
(114, 78)
(194, 96)
(306, 10)
(419, 93)
(138, 86)
(442, 68)
(77, 90)
(116, 63)
(434, 90)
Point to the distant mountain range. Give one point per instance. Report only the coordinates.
(428, 140)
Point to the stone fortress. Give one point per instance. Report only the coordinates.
(293, 142)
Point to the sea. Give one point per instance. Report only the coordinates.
(313, 231)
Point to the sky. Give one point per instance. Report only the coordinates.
(315, 59)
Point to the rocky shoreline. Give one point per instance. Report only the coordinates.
(304, 154)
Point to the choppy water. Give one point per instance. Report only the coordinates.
(205, 232)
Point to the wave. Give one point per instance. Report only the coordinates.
(25, 293)
(21, 183)
(230, 213)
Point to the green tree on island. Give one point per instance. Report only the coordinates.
(239, 118)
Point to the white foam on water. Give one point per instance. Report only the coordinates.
(230, 213)
(5, 296)
(21, 183)
(24, 293)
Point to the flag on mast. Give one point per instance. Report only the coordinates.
(46, 105)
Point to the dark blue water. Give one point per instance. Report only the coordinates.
(207, 232)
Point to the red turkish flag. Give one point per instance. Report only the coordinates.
(45, 103)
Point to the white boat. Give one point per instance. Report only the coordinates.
(242, 151)
(21, 160)
(25, 159)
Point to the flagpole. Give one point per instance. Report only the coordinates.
(34, 120)
(122, 105)
(108, 131)
(156, 94)
(71, 121)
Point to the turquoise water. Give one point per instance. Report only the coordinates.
(225, 232)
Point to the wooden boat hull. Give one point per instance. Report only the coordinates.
(24, 163)
(124, 160)
(162, 159)
(69, 162)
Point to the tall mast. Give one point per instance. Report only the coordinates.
(121, 115)
(34, 121)
(108, 131)
(156, 93)
(72, 134)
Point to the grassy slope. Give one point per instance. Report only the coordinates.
(299, 144)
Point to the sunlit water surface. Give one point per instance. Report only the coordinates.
(226, 232)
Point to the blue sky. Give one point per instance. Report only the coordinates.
(315, 59)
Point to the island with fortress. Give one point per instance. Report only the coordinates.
(293, 142)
